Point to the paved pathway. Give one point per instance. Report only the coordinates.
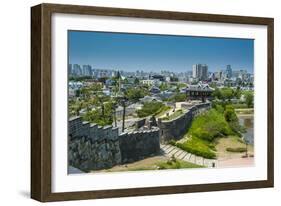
(170, 150)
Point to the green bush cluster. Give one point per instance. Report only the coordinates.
(198, 147)
(210, 125)
(134, 94)
(172, 142)
(240, 106)
(218, 122)
(100, 116)
(238, 149)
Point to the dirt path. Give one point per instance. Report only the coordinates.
(149, 163)
(233, 159)
(236, 162)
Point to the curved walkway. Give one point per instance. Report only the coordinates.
(170, 150)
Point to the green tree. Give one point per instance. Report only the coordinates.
(219, 108)
(163, 86)
(102, 115)
(250, 99)
(210, 125)
(229, 114)
(137, 81)
(75, 107)
(237, 92)
(134, 94)
(217, 93)
(77, 92)
(227, 93)
(86, 92)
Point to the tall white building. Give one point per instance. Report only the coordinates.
(87, 70)
(200, 71)
(77, 71)
(228, 71)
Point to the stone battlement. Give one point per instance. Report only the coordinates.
(139, 144)
(93, 147)
(176, 128)
(78, 128)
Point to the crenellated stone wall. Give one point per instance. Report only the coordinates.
(139, 144)
(92, 147)
(176, 128)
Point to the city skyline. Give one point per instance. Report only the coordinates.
(157, 71)
(131, 52)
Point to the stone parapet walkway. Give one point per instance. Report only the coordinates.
(170, 150)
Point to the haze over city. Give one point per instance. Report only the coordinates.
(131, 52)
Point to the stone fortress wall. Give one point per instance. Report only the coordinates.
(139, 144)
(176, 128)
(93, 147)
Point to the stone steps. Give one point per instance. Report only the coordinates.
(170, 150)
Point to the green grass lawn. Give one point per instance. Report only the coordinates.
(174, 115)
(245, 111)
(169, 164)
(153, 163)
(177, 164)
(152, 108)
(162, 111)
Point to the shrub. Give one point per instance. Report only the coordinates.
(240, 106)
(229, 114)
(172, 142)
(96, 116)
(238, 149)
(198, 147)
(210, 125)
(219, 108)
(134, 94)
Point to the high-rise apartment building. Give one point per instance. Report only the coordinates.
(200, 71)
(77, 71)
(87, 70)
(228, 71)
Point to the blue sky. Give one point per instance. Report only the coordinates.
(131, 52)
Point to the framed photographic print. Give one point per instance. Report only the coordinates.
(130, 102)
